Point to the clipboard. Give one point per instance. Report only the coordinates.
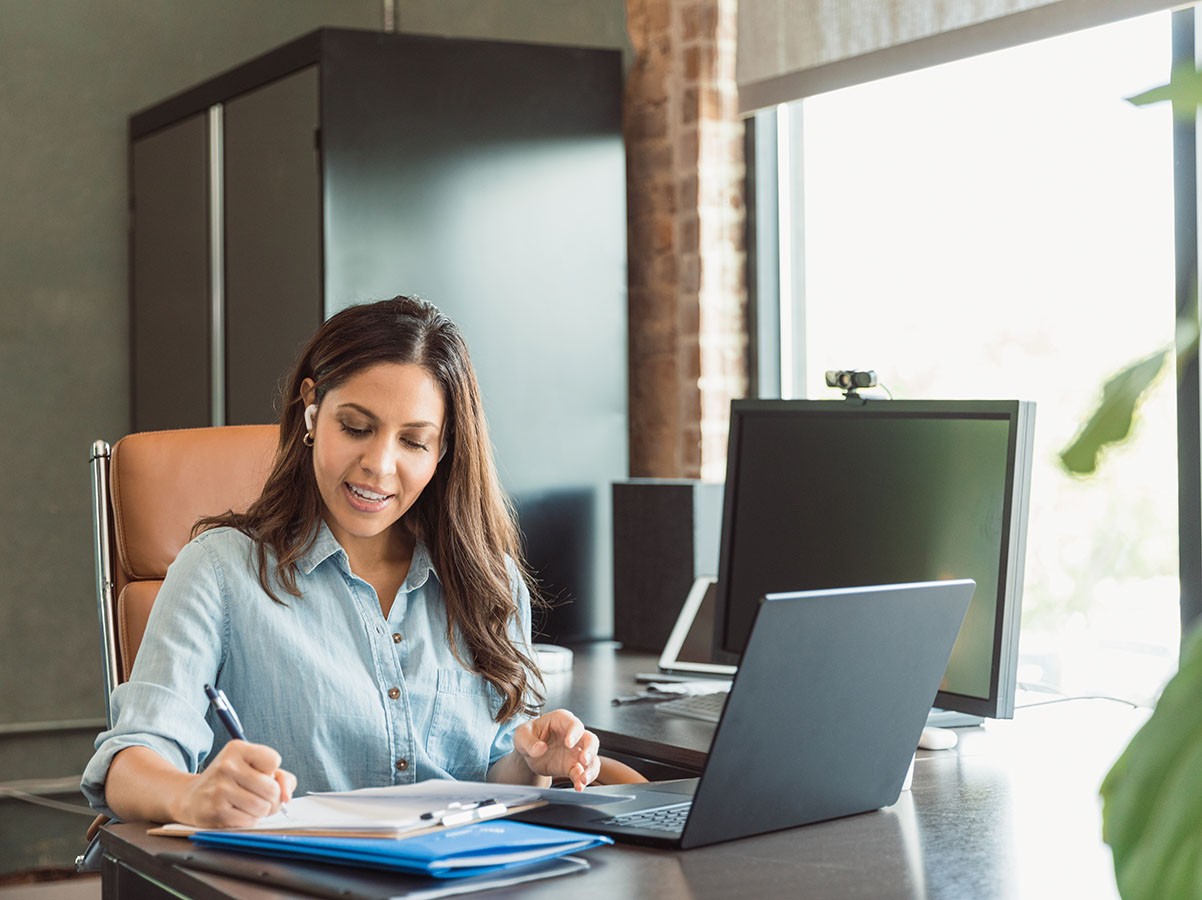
(395, 811)
(177, 830)
(387, 812)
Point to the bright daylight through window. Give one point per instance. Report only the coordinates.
(1002, 227)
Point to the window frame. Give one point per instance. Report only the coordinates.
(777, 302)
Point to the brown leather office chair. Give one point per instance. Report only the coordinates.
(148, 491)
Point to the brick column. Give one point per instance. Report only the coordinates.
(688, 333)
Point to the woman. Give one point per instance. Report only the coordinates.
(367, 616)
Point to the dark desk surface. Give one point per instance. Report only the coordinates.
(1012, 812)
(598, 675)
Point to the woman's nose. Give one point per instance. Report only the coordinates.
(378, 456)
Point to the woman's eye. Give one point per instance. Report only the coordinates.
(413, 445)
(353, 431)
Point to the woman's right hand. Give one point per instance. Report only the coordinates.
(239, 786)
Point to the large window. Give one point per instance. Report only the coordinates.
(1002, 227)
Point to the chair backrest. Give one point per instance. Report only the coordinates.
(148, 492)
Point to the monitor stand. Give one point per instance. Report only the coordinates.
(949, 718)
(938, 733)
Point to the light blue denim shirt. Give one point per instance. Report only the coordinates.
(348, 697)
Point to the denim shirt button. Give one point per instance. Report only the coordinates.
(394, 693)
(397, 637)
(402, 765)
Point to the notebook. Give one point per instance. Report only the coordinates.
(831, 695)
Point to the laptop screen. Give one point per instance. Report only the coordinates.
(690, 646)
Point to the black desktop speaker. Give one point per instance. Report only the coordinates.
(665, 537)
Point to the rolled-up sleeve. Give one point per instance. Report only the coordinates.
(163, 705)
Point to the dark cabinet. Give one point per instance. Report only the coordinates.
(346, 166)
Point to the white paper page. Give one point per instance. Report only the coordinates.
(442, 791)
(312, 812)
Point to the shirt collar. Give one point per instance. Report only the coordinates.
(421, 568)
(325, 545)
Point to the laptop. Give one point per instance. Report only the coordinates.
(827, 706)
(689, 648)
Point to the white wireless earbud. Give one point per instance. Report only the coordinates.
(310, 415)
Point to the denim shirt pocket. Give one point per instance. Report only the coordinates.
(462, 725)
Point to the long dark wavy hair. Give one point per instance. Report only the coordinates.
(463, 515)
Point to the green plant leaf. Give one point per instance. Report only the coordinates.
(1184, 91)
(1151, 807)
(1111, 421)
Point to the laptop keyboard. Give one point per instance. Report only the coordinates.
(707, 707)
(668, 818)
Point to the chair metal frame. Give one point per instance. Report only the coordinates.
(106, 601)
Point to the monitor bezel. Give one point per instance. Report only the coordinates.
(1020, 415)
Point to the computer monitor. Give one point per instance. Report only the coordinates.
(829, 493)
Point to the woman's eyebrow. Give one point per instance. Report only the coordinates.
(371, 415)
(361, 409)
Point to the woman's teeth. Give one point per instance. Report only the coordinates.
(370, 496)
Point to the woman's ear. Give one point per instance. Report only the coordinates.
(308, 396)
(308, 392)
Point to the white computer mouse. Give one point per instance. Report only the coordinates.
(933, 738)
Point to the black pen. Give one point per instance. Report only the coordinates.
(229, 718)
(225, 712)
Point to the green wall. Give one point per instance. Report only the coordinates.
(71, 72)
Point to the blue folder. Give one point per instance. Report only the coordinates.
(448, 853)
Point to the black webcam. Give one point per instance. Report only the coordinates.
(850, 379)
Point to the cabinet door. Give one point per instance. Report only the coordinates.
(490, 178)
(170, 304)
(273, 266)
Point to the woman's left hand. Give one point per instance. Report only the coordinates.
(557, 744)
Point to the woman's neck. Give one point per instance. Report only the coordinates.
(383, 558)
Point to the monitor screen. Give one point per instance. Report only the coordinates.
(827, 494)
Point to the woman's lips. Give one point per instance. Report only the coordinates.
(364, 498)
